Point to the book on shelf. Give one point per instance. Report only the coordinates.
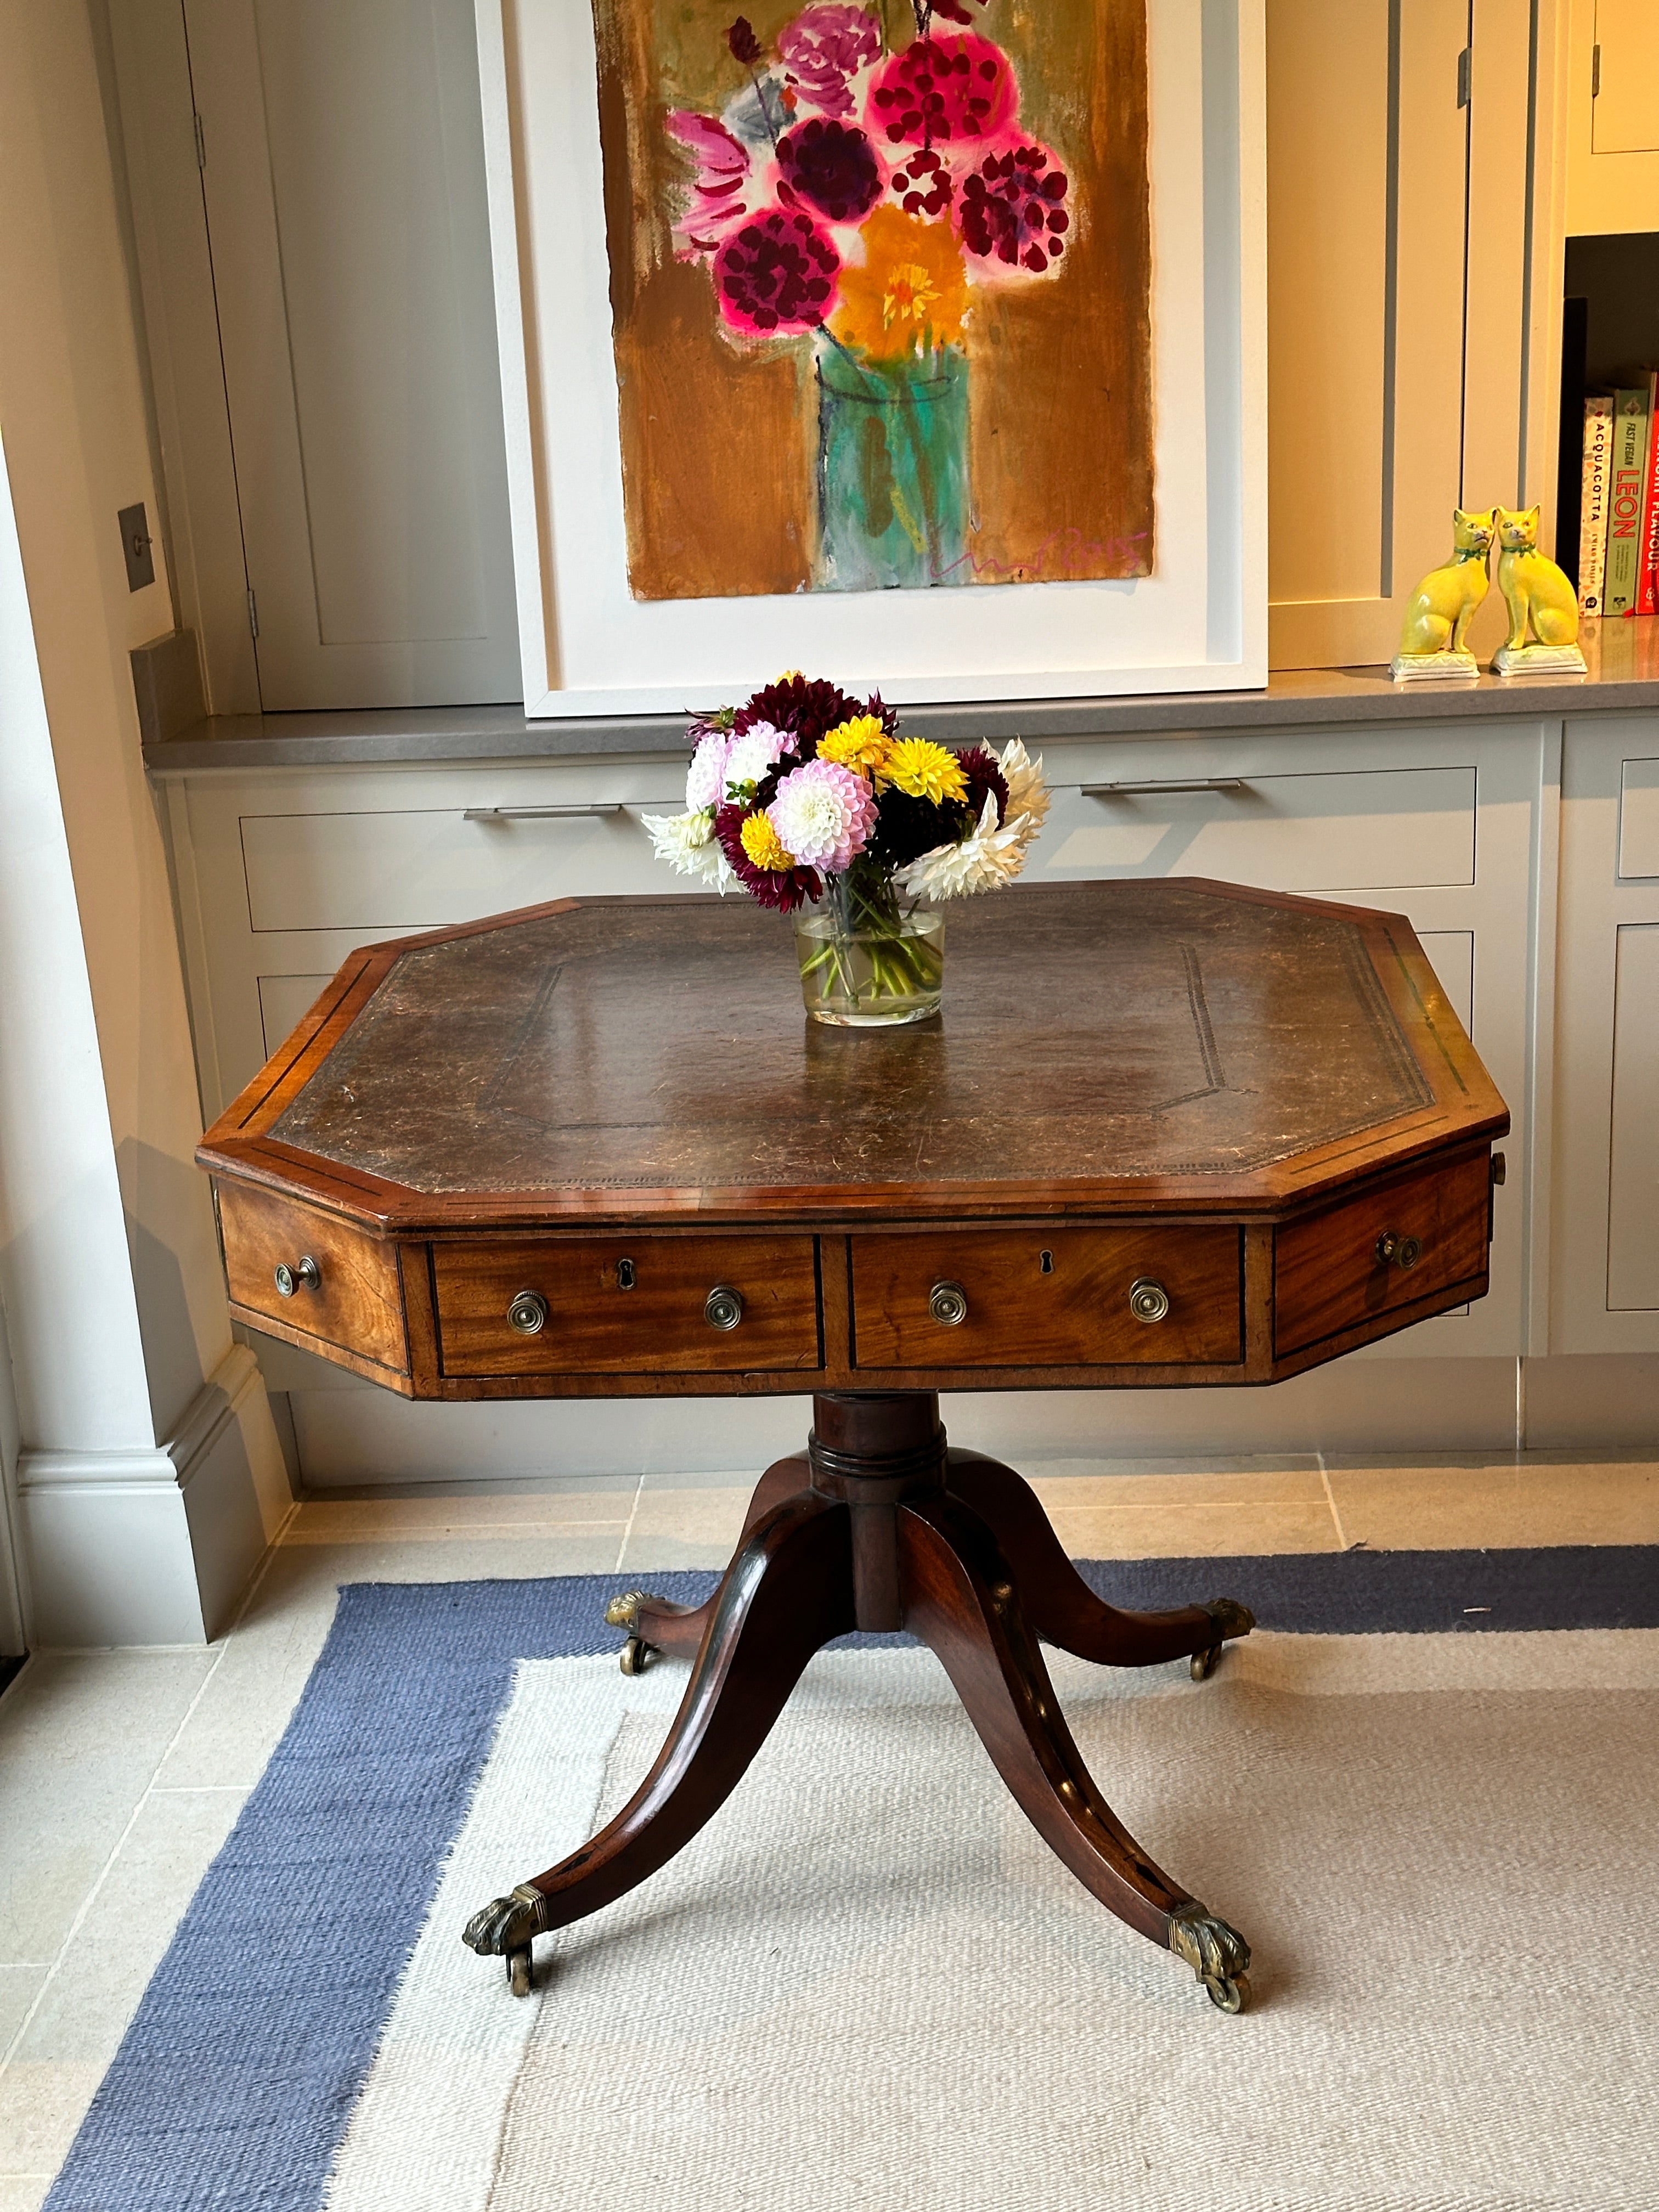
(1592, 506)
(1626, 490)
(1647, 590)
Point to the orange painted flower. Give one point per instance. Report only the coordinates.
(910, 293)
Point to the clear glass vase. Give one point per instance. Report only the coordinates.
(869, 958)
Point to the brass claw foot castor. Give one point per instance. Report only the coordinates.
(622, 1612)
(1232, 1620)
(504, 1930)
(1217, 1953)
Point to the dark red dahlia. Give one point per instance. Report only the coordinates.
(785, 889)
(776, 272)
(886, 715)
(906, 828)
(923, 185)
(831, 166)
(805, 707)
(959, 86)
(983, 774)
(1012, 208)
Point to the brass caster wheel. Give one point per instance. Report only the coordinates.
(633, 1655)
(1232, 1996)
(1203, 1664)
(518, 1978)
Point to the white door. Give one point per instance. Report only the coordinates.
(343, 163)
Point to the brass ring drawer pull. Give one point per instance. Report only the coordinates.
(528, 1313)
(1394, 1249)
(1148, 1301)
(948, 1305)
(303, 1273)
(723, 1307)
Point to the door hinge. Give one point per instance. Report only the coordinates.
(1464, 67)
(253, 612)
(201, 141)
(1596, 72)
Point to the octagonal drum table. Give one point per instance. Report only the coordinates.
(1163, 1134)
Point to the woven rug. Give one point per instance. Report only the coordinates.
(868, 1984)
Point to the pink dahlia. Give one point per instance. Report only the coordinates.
(776, 272)
(959, 86)
(705, 780)
(822, 48)
(719, 191)
(1010, 207)
(824, 814)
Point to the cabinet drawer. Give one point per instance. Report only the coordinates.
(1328, 831)
(419, 867)
(354, 1298)
(1046, 1297)
(1328, 1275)
(615, 1305)
(1638, 820)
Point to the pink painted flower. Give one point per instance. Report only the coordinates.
(822, 49)
(959, 86)
(705, 780)
(1010, 207)
(776, 272)
(824, 814)
(923, 185)
(719, 192)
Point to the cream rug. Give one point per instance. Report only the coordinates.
(868, 1984)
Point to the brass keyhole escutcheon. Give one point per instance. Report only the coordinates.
(1148, 1301)
(1045, 1263)
(624, 1274)
(723, 1307)
(948, 1305)
(1397, 1251)
(527, 1314)
(303, 1274)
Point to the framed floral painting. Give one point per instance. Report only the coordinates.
(917, 337)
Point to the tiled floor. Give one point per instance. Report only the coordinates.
(121, 1772)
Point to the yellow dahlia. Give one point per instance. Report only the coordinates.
(924, 770)
(763, 845)
(860, 743)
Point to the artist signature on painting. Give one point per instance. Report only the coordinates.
(1067, 556)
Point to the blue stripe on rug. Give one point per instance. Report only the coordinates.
(238, 2075)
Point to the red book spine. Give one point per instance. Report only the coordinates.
(1647, 591)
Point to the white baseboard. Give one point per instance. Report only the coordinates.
(151, 1545)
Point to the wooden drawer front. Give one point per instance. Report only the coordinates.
(594, 1325)
(356, 1301)
(1326, 830)
(1327, 1275)
(1046, 1297)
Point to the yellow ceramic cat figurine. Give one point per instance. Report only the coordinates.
(1538, 595)
(1439, 610)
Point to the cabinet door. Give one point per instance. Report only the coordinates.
(1613, 130)
(344, 175)
(1398, 352)
(1605, 1229)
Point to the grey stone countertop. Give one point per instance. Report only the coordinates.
(1623, 660)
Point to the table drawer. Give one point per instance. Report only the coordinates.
(616, 1305)
(353, 1298)
(1328, 1273)
(1046, 1297)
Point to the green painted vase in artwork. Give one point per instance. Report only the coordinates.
(892, 469)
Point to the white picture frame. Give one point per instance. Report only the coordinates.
(1199, 622)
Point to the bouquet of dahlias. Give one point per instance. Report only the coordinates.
(809, 798)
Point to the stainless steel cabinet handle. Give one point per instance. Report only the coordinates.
(527, 1314)
(1148, 1301)
(948, 1305)
(723, 1307)
(1157, 790)
(303, 1273)
(544, 813)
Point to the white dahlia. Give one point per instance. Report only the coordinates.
(1027, 794)
(986, 860)
(688, 843)
(705, 780)
(748, 757)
